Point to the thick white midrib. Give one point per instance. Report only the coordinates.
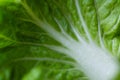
(96, 63)
(93, 61)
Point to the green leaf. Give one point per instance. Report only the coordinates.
(22, 40)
